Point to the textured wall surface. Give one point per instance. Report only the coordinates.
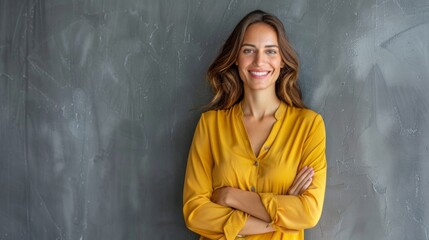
(98, 97)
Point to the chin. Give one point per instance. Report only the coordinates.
(261, 87)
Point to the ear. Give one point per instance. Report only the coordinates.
(282, 65)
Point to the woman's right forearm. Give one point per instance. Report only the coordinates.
(256, 226)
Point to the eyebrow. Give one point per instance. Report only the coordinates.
(266, 46)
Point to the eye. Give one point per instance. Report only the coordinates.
(271, 51)
(248, 50)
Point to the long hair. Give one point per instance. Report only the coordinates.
(223, 73)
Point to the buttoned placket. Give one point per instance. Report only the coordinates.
(258, 168)
(258, 161)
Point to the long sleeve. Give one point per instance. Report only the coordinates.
(201, 215)
(293, 213)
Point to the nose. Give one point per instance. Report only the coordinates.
(259, 59)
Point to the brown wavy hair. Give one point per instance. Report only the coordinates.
(223, 73)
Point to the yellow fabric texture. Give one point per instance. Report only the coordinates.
(221, 155)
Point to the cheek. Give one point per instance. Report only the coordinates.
(242, 65)
(242, 61)
(242, 73)
(278, 65)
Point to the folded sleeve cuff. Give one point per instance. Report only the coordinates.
(270, 202)
(234, 224)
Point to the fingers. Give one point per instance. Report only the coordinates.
(305, 179)
(302, 172)
(298, 177)
(302, 181)
(306, 185)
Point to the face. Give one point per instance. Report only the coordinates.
(259, 61)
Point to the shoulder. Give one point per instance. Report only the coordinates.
(304, 115)
(309, 122)
(213, 116)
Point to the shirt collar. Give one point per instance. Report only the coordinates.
(279, 114)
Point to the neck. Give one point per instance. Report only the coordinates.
(260, 104)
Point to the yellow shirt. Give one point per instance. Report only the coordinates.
(221, 155)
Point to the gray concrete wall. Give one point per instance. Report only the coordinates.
(97, 99)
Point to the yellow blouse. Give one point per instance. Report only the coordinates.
(221, 155)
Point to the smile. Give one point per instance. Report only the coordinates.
(259, 73)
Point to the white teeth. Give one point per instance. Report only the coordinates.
(259, 73)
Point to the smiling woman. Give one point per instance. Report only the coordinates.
(223, 75)
(259, 62)
(257, 165)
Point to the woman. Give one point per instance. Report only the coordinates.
(257, 166)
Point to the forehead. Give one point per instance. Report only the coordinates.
(260, 33)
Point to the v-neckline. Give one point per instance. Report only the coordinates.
(279, 113)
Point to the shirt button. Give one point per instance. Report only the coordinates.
(253, 189)
(256, 163)
(266, 148)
